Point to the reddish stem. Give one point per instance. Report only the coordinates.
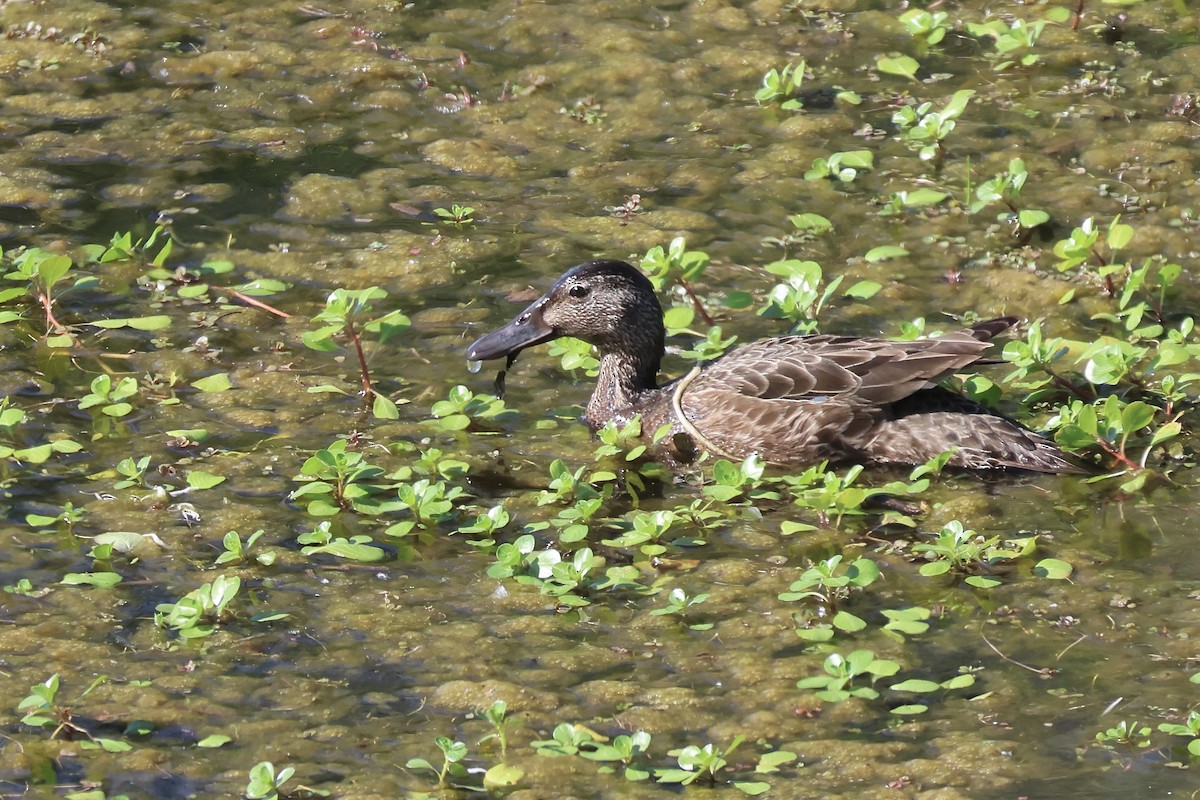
(696, 302)
(364, 372)
(52, 324)
(1108, 281)
(1119, 455)
(250, 301)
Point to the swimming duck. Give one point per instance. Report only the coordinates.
(793, 400)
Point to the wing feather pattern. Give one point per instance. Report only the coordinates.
(802, 399)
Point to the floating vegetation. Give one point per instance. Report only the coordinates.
(264, 531)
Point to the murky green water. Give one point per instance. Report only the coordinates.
(312, 145)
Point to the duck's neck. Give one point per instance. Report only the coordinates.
(624, 381)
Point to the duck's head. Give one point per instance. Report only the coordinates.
(606, 303)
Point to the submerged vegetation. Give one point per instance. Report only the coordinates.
(256, 509)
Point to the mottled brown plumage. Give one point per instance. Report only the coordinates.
(794, 401)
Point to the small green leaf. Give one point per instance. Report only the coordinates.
(384, 408)
(844, 620)
(198, 479)
(859, 159)
(809, 222)
(122, 541)
(152, 323)
(1032, 217)
(502, 775)
(1053, 569)
(214, 383)
(1119, 235)
(109, 745)
(214, 740)
(678, 317)
(344, 548)
(959, 682)
(102, 580)
(915, 685)
(1136, 416)
(863, 290)
(116, 409)
(321, 340)
(772, 761)
(326, 388)
(195, 434)
(910, 710)
(1167, 431)
(903, 66)
(884, 252)
(822, 633)
(919, 198)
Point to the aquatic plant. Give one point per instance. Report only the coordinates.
(42, 709)
(458, 217)
(631, 753)
(1129, 733)
(844, 675)
(237, 551)
(496, 715)
(1005, 188)
(1189, 729)
(1013, 40)
(928, 27)
(803, 293)
(12, 437)
(679, 265)
(844, 166)
(451, 769)
(346, 313)
(335, 479)
(267, 784)
(678, 603)
(829, 583)
(198, 613)
(781, 86)
(925, 129)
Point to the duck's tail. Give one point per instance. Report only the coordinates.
(978, 441)
(989, 329)
(934, 420)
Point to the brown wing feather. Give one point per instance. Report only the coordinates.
(807, 368)
(801, 399)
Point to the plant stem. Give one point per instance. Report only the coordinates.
(1119, 455)
(250, 301)
(52, 324)
(696, 302)
(364, 371)
(1078, 15)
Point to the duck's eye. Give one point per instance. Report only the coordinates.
(579, 290)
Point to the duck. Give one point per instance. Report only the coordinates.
(793, 401)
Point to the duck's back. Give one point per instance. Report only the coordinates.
(799, 400)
